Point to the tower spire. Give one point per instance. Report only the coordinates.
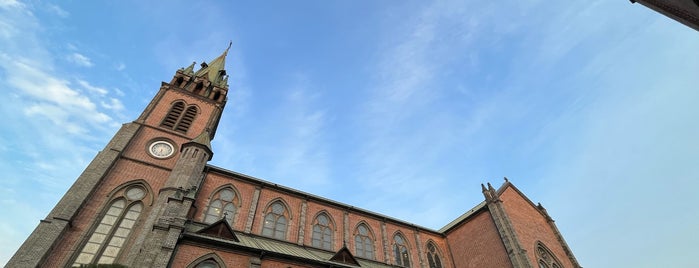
(215, 71)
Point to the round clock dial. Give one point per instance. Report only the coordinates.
(161, 149)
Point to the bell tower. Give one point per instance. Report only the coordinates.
(136, 194)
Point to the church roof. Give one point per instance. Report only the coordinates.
(215, 71)
(274, 247)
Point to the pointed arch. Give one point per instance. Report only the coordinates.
(148, 199)
(179, 81)
(401, 251)
(116, 221)
(224, 201)
(276, 219)
(180, 116)
(211, 260)
(187, 119)
(323, 230)
(173, 116)
(545, 257)
(197, 89)
(434, 259)
(364, 241)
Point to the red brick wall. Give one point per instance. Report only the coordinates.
(476, 243)
(161, 108)
(531, 226)
(124, 171)
(186, 254)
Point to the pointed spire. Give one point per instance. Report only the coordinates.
(215, 70)
(190, 70)
(203, 139)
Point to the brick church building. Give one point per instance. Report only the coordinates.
(149, 199)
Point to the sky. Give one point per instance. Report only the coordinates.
(403, 107)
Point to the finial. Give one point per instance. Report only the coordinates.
(506, 179)
(483, 188)
(225, 215)
(229, 46)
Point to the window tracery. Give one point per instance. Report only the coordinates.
(400, 251)
(108, 238)
(363, 242)
(545, 257)
(433, 259)
(224, 204)
(275, 221)
(322, 236)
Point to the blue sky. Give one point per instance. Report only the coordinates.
(403, 108)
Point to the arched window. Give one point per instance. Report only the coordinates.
(276, 218)
(178, 118)
(187, 119)
(363, 242)
(107, 240)
(173, 116)
(433, 256)
(322, 232)
(210, 260)
(546, 257)
(400, 249)
(224, 203)
(198, 88)
(179, 81)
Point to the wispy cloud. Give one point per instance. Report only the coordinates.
(79, 59)
(43, 113)
(93, 89)
(57, 10)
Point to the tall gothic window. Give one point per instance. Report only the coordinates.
(363, 242)
(433, 256)
(107, 240)
(546, 257)
(224, 203)
(276, 219)
(400, 250)
(179, 118)
(322, 232)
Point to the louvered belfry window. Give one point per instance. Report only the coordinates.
(178, 118)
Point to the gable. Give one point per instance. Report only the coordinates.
(344, 256)
(220, 229)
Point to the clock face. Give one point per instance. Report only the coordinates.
(161, 149)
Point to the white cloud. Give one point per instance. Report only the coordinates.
(120, 66)
(113, 104)
(93, 89)
(57, 10)
(79, 59)
(119, 92)
(10, 4)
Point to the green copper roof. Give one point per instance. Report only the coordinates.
(216, 70)
(203, 139)
(190, 69)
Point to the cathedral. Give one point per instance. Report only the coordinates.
(150, 199)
